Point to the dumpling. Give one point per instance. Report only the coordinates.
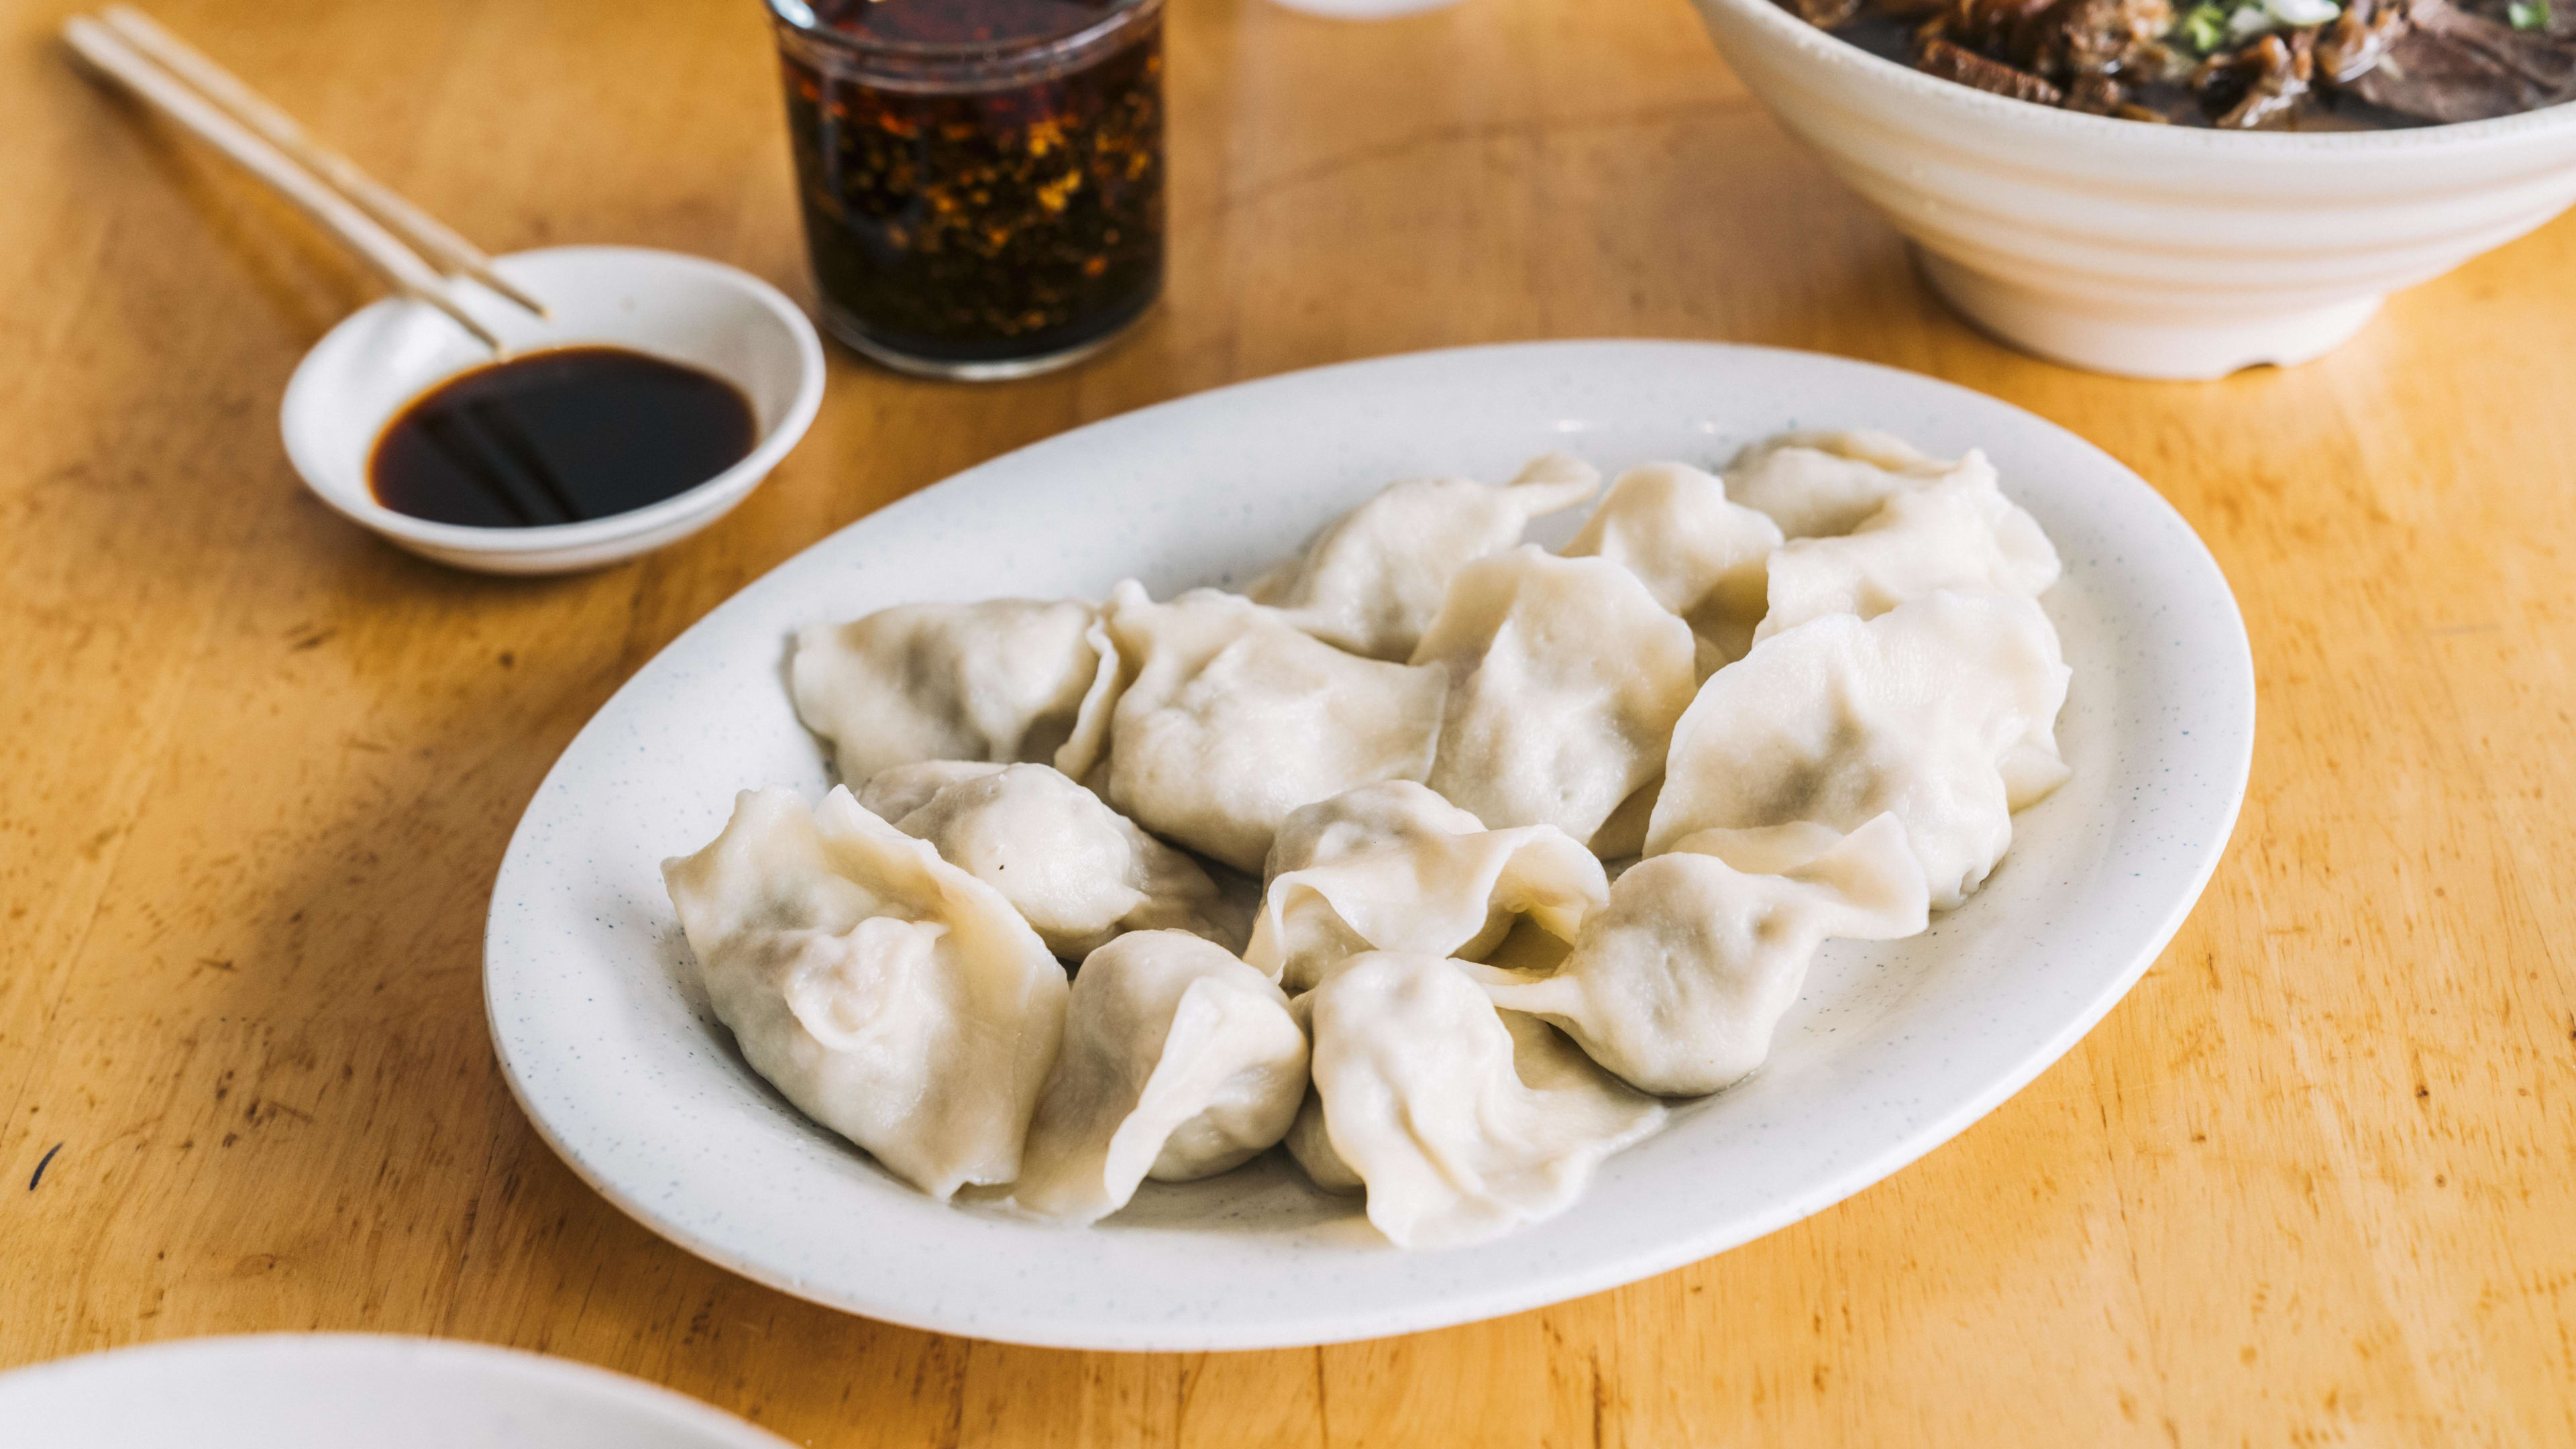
(1941, 711)
(1374, 577)
(1006, 679)
(1078, 871)
(1817, 484)
(1362, 819)
(1957, 533)
(1230, 718)
(891, 996)
(1677, 986)
(1393, 867)
(1307, 1142)
(1623, 835)
(1701, 556)
(1179, 1062)
(1464, 1122)
(896, 792)
(1566, 678)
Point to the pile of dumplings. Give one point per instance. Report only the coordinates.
(1436, 857)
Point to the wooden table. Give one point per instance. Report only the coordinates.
(2313, 1183)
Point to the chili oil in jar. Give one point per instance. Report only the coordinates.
(981, 180)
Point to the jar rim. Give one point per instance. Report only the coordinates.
(798, 16)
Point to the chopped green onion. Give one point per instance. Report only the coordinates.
(2528, 14)
(2204, 29)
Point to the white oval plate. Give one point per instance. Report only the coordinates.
(332, 1391)
(1891, 1050)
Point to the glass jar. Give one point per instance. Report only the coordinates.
(982, 180)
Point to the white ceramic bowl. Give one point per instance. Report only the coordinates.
(2144, 250)
(687, 309)
(338, 1390)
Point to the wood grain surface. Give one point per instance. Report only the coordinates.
(2313, 1183)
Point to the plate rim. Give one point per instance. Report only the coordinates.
(1311, 1328)
(392, 1350)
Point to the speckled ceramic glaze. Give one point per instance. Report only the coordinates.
(1892, 1049)
(323, 1391)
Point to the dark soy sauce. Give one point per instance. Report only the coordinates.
(559, 436)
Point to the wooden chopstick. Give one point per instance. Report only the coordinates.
(433, 238)
(379, 248)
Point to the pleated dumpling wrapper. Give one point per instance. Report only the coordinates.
(891, 996)
(1228, 718)
(1463, 1122)
(1003, 680)
(1374, 577)
(1701, 555)
(1179, 1062)
(1566, 678)
(1678, 985)
(1957, 533)
(1817, 484)
(1941, 712)
(1393, 867)
(1078, 871)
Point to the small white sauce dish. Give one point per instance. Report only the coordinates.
(685, 309)
(2144, 250)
